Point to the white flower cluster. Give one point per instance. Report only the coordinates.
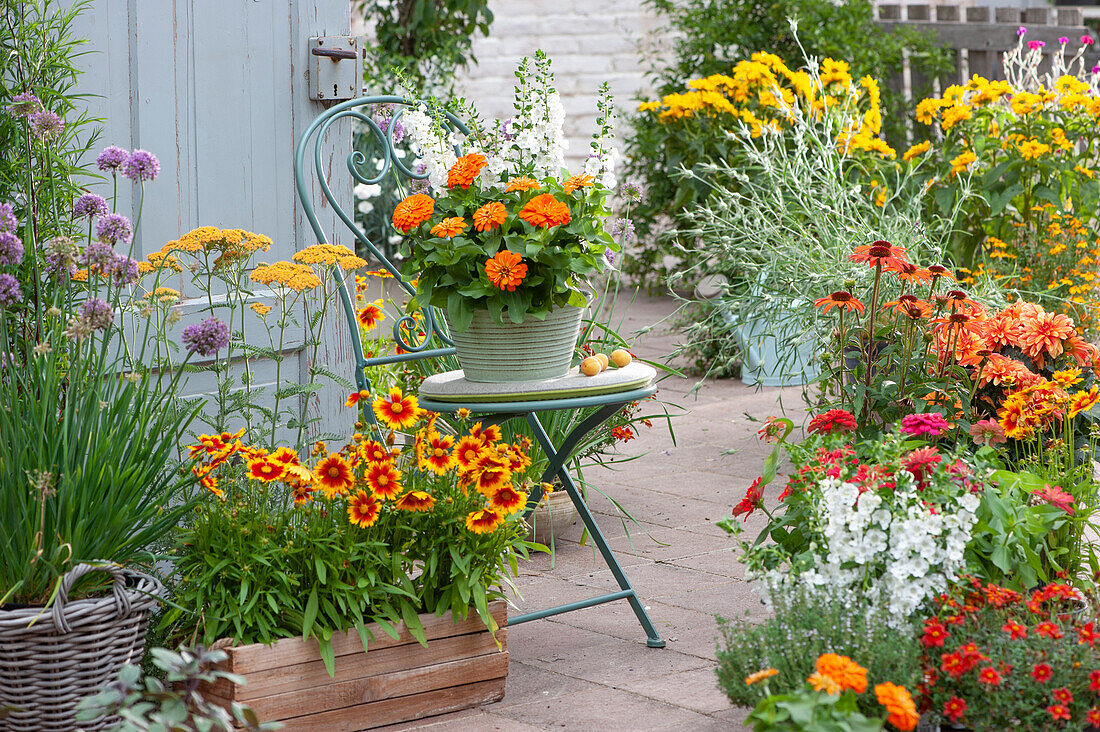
(432, 144)
(537, 139)
(902, 550)
(601, 161)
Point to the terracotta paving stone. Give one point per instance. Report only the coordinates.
(591, 669)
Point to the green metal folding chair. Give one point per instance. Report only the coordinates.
(450, 393)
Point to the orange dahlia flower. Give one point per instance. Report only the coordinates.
(450, 227)
(384, 480)
(484, 521)
(363, 509)
(522, 183)
(415, 501)
(334, 474)
(1044, 332)
(413, 211)
(490, 216)
(506, 270)
(465, 169)
(899, 704)
(544, 211)
(397, 411)
(578, 181)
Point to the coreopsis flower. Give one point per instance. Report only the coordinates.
(754, 496)
(505, 270)
(437, 453)
(935, 633)
(363, 510)
(371, 315)
(1063, 695)
(491, 471)
(1094, 680)
(415, 501)
(468, 451)
(490, 216)
(1087, 635)
(206, 338)
(901, 711)
(374, 452)
(760, 675)
(355, 396)
(265, 470)
(397, 411)
(140, 166)
(839, 299)
(834, 420)
(384, 480)
(544, 211)
(578, 181)
(334, 475)
(1058, 711)
(484, 521)
(1083, 401)
(413, 211)
(507, 499)
(1047, 629)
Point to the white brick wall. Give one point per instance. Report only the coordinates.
(589, 41)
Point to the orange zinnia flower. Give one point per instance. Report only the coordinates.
(415, 501)
(363, 509)
(384, 480)
(484, 521)
(397, 412)
(844, 671)
(334, 474)
(437, 453)
(450, 227)
(880, 253)
(265, 470)
(757, 676)
(522, 183)
(412, 212)
(506, 270)
(544, 210)
(841, 299)
(490, 216)
(821, 682)
(465, 169)
(578, 181)
(899, 704)
(371, 315)
(508, 499)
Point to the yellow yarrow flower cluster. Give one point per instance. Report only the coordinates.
(297, 277)
(329, 255)
(763, 93)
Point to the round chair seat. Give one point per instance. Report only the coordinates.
(452, 386)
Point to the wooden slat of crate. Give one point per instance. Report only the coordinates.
(290, 651)
(368, 690)
(401, 709)
(313, 674)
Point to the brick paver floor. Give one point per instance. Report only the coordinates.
(591, 669)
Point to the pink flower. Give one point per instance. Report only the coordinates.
(1055, 496)
(1021, 30)
(1063, 40)
(1035, 45)
(931, 423)
(988, 432)
(1087, 40)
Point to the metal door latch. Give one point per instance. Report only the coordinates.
(335, 70)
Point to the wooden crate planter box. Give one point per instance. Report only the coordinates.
(397, 680)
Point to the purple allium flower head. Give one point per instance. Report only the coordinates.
(1087, 40)
(124, 269)
(25, 104)
(420, 185)
(1035, 45)
(114, 228)
(11, 248)
(1021, 30)
(1063, 40)
(622, 229)
(631, 190)
(10, 292)
(98, 256)
(89, 205)
(97, 314)
(111, 158)
(141, 165)
(206, 338)
(61, 253)
(46, 125)
(8, 222)
(609, 256)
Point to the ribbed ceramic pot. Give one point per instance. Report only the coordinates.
(529, 351)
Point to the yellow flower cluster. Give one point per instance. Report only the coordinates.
(164, 295)
(297, 277)
(330, 255)
(763, 92)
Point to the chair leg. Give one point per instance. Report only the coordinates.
(558, 458)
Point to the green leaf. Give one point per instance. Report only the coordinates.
(310, 613)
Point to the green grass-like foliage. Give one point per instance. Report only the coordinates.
(88, 464)
(807, 623)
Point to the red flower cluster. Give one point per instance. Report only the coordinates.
(835, 420)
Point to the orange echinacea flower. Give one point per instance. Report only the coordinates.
(880, 253)
(841, 299)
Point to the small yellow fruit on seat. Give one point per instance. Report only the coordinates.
(621, 357)
(591, 366)
(604, 360)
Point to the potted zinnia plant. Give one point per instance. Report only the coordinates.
(504, 241)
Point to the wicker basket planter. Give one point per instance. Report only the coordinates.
(397, 680)
(51, 659)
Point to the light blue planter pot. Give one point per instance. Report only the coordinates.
(774, 359)
(529, 351)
